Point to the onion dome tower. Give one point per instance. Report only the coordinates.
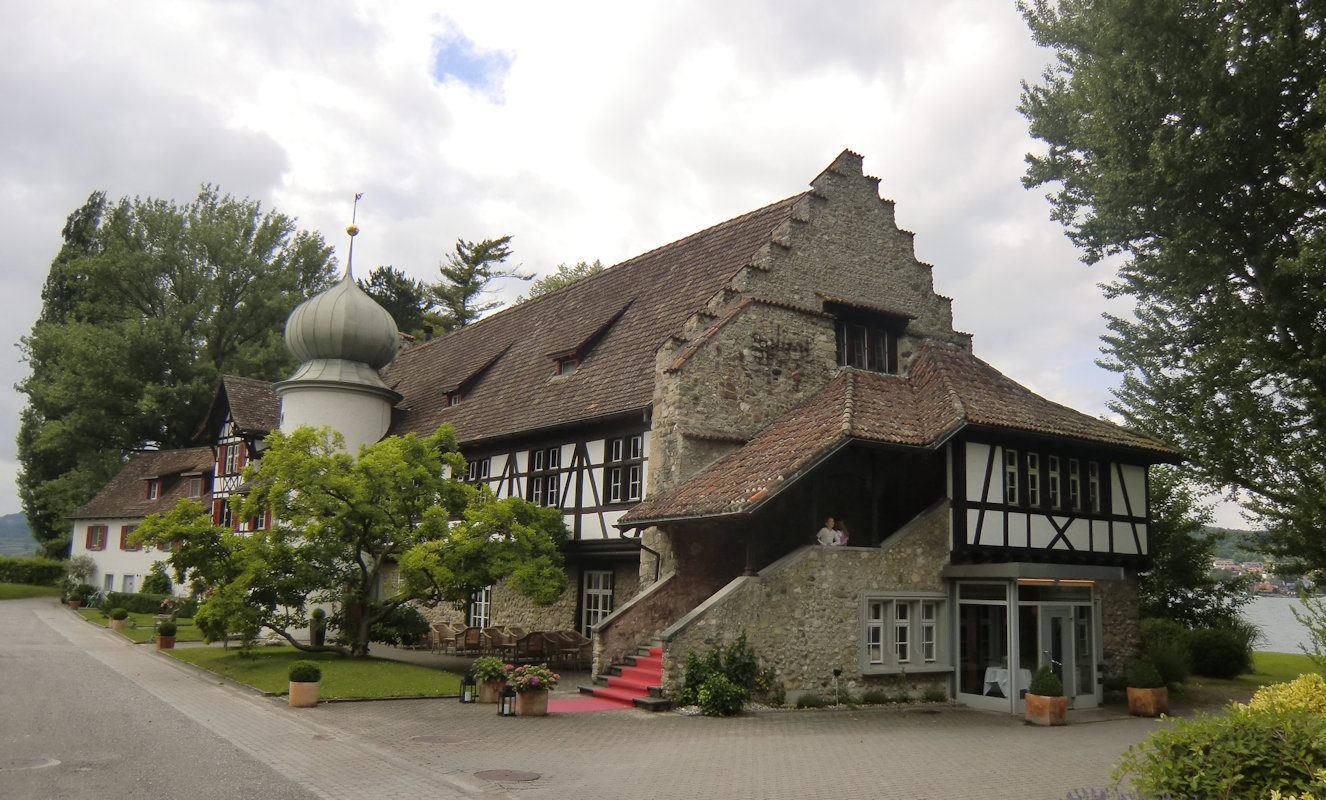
(341, 337)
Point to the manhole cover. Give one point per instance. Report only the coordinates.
(507, 775)
(8, 764)
(440, 738)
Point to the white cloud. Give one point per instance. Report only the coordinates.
(588, 131)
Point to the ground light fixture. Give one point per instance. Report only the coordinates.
(469, 689)
(508, 707)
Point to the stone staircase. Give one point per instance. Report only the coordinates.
(636, 682)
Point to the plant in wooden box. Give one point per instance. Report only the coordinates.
(304, 678)
(1045, 701)
(491, 673)
(532, 682)
(119, 618)
(1147, 694)
(166, 635)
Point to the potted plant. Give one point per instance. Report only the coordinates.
(317, 627)
(1045, 701)
(119, 619)
(166, 635)
(490, 672)
(1147, 694)
(81, 595)
(532, 682)
(304, 678)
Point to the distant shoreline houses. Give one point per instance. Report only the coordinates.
(697, 413)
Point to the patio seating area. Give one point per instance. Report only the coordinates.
(562, 648)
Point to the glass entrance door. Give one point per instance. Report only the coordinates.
(1062, 636)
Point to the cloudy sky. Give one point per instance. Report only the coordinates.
(587, 130)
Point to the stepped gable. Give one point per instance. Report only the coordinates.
(947, 390)
(252, 403)
(126, 494)
(503, 365)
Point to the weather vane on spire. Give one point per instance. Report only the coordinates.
(353, 230)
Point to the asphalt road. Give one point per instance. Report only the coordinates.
(72, 726)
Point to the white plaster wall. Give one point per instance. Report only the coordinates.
(114, 561)
(362, 418)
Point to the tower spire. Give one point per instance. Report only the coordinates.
(353, 230)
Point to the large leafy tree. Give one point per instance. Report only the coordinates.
(147, 303)
(1188, 139)
(341, 523)
(467, 275)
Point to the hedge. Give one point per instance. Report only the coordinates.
(31, 571)
(144, 603)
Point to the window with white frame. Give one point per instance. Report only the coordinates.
(480, 614)
(1033, 480)
(544, 484)
(96, 537)
(1093, 486)
(478, 469)
(1010, 477)
(195, 487)
(1052, 480)
(625, 469)
(154, 489)
(595, 598)
(903, 632)
(1074, 485)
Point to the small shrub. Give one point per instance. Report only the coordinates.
(1046, 683)
(318, 613)
(740, 665)
(140, 603)
(810, 700)
(1144, 675)
(698, 670)
(406, 625)
(304, 672)
(1241, 753)
(1165, 642)
(166, 628)
(119, 613)
(84, 593)
(488, 668)
(777, 696)
(935, 695)
(1219, 652)
(157, 581)
(875, 697)
(1306, 691)
(720, 697)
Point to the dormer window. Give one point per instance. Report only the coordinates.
(153, 488)
(195, 487)
(451, 398)
(869, 347)
(567, 365)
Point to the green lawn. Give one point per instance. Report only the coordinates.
(1267, 668)
(342, 678)
(141, 626)
(17, 591)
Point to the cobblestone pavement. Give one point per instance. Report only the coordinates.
(441, 748)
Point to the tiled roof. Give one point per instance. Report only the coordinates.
(126, 495)
(253, 404)
(624, 313)
(946, 390)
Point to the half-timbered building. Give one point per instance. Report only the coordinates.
(697, 411)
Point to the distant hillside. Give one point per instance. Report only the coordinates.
(1233, 544)
(15, 538)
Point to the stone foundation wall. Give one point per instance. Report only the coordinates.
(1121, 617)
(802, 615)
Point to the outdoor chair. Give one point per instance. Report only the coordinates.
(531, 647)
(471, 642)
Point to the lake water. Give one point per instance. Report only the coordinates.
(1281, 633)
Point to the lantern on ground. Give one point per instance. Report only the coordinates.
(508, 708)
(469, 689)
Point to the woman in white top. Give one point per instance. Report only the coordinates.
(827, 535)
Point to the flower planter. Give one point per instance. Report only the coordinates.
(165, 642)
(490, 691)
(532, 703)
(119, 624)
(1148, 702)
(75, 604)
(303, 695)
(1043, 710)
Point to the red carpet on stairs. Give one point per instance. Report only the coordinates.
(584, 702)
(635, 680)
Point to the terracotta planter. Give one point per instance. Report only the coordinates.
(1148, 702)
(532, 704)
(303, 695)
(1042, 710)
(74, 604)
(165, 642)
(491, 691)
(119, 624)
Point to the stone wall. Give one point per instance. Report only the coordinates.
(802, 614)
(1121, 634)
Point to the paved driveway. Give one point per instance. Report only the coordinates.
(440, 748)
